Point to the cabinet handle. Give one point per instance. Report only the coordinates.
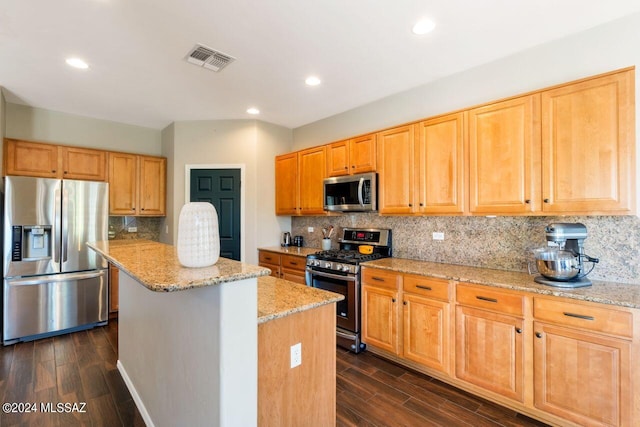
(393, 300)
(426, 288)
(518, 330)
(293, 263)
(53, 171)
(538, 334)
(268, 258)
(527, 201)
(579, 316)
(353, 167)
(65, 172)
(481, 298)
(404, 303)
(133, 208)
(546, 200)
(421, 204)
(377, 279)
(410, 205)
(142, 209)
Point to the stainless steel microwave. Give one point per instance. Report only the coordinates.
(353, 193)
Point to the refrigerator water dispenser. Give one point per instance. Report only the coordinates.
(31, 242)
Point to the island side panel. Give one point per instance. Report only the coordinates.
(307, 393)
(181, 357)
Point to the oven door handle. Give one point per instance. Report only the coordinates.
(352, 278)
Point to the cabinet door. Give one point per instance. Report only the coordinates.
(582, 377)
(504, 156)
(588, 140)
(440, 161)
(311, 173)
(114, 280)
(362, 154)
(338, 158)
(82, 163)
(489, 351)
(380, 318)
(152, 181)
(426, 331)
(287, 184)
(30, 159)
(395, 170)
(123, 189)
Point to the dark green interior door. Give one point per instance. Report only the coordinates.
(221, 188)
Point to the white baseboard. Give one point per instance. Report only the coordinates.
(134, 394)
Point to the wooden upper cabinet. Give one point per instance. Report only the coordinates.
(338, 158)
(287, 184)
(504, 156)
(311, 173)
(353, 156)
(152, 182)
(137, 185)
(440, 165)
(37, 159)
(588, 139)
(123, 185)
(395, 170)
(82, 163)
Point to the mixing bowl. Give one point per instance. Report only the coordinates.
(556, 264)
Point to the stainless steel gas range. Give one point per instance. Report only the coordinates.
(339, 271)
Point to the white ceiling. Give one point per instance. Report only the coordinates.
(363, 50)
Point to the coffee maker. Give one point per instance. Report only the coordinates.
(562, 263)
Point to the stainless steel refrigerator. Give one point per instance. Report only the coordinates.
(53, 283)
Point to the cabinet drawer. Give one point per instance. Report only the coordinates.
(381, 278)
(490, 298)
(269, 258)
(594, 318)
(293, 262)
(427, 286)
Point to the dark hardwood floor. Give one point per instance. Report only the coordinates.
(75, 369)
(81, 368)
(374, 392)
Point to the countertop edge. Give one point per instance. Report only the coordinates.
(174, 286)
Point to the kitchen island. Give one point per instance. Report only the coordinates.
(189, 347)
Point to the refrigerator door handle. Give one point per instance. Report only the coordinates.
(57, 232)
(65, 223)
(39, 280)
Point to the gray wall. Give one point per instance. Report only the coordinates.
(502, 242)
(37, 124)
(214, 143)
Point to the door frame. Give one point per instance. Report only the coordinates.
(187, 193)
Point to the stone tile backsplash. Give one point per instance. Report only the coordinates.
(148, 227)
(503, 243)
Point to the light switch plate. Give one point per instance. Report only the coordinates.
(438, 236)
(132, 229)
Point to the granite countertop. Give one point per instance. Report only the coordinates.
(156, 266)
(613, 293)
(291, 250)
(279, 298)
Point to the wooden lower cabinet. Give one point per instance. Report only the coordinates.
(288, 267)
(582, 376)
(426, 331)
(489, 351)
(563, 361)
(114, 279)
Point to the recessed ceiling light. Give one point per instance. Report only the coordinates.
(77, 63)
(312, 81)
(423, 26)
(253, 111)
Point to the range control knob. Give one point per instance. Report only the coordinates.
(327, 265)
(316, 263)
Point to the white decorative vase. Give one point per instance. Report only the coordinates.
(198, 235)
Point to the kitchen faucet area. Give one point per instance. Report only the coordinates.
(320, 213)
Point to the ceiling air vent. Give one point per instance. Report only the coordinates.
(209, 58)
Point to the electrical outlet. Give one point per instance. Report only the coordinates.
(310, 229)
(296, 355)
(438, 236)
(132, 229)
(166, 229)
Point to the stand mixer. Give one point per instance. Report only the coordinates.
(563, 265)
